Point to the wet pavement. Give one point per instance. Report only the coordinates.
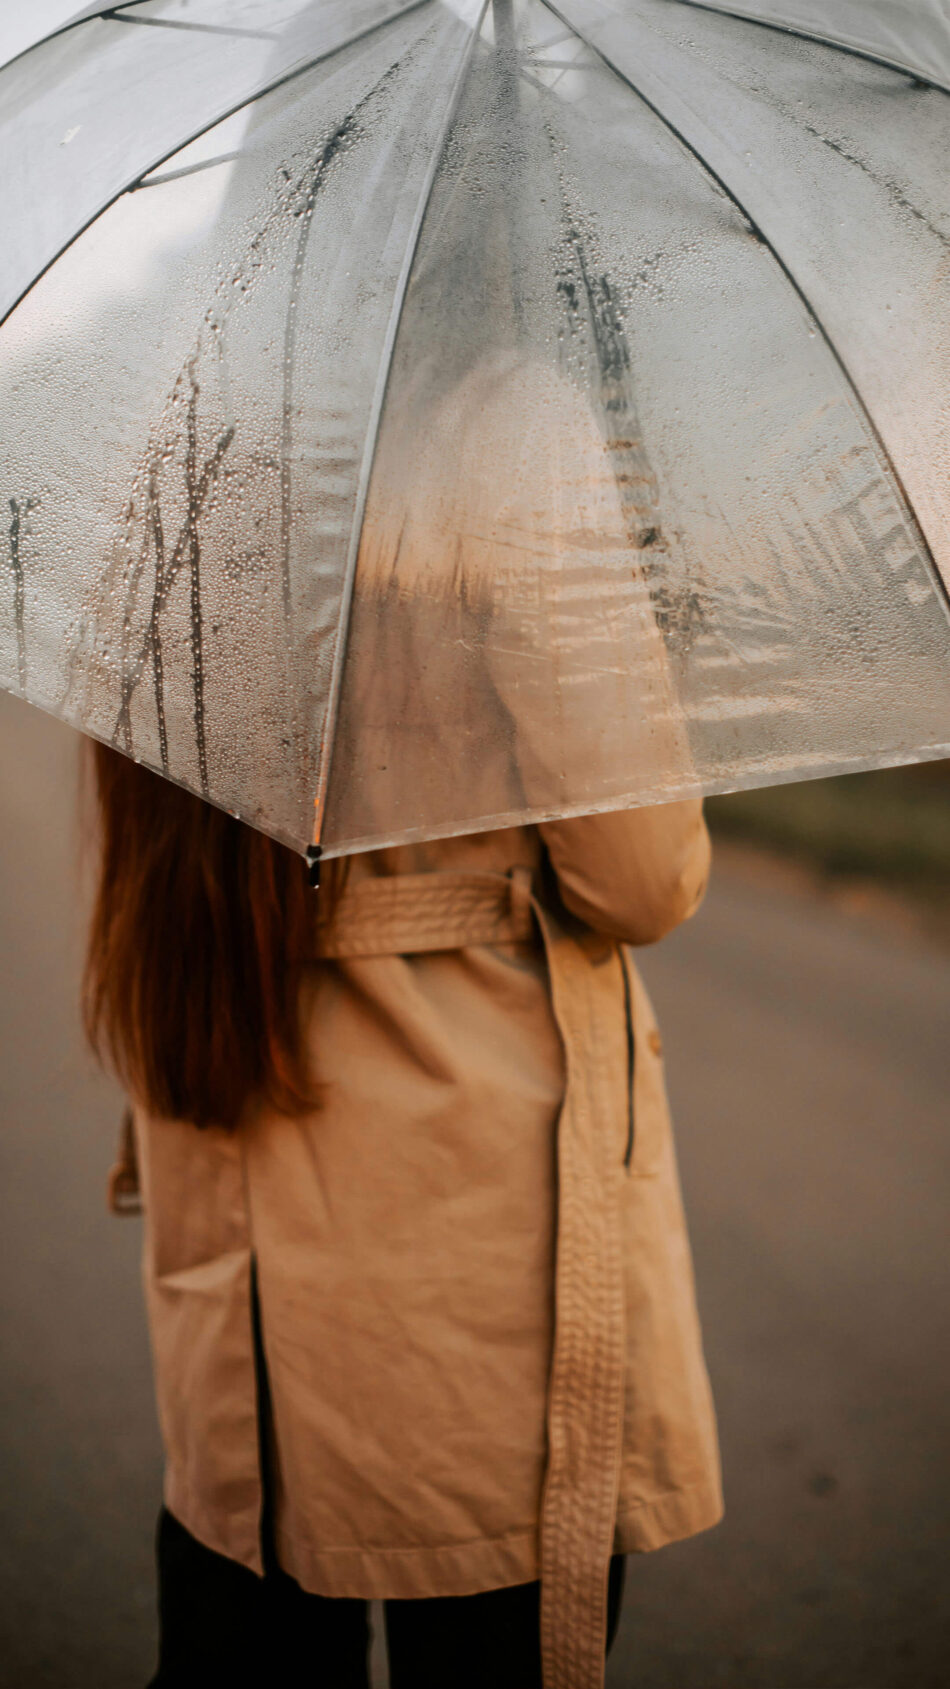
(808, 1055)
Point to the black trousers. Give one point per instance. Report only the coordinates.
(222, 1627)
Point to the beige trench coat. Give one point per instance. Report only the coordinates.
(476, 1296)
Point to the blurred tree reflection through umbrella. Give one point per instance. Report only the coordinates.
(418, 417)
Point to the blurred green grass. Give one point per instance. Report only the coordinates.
(890, 827)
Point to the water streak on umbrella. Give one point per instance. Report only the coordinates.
(194, 562)
(186, 548)
(679, 612)
(893, 189)
(153, 534)
(332, 148)
(19, 509)
(155, 526)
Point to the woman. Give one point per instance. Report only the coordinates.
(416, 1267)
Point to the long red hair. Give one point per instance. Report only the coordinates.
(191, 985)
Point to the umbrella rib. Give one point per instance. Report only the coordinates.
(115, 15)
(153, 181)
(760, 234)
(328, 733)
(916, 76)
(139, 179)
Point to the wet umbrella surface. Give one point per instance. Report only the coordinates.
(422, 417)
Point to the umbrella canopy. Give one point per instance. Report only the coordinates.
(418, 417)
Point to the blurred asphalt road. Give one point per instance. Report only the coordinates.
(809, 1056)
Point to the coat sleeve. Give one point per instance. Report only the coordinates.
(632, 874)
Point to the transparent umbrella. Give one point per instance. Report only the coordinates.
(418, 418)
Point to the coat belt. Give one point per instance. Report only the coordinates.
(411, 914)
(408, 914)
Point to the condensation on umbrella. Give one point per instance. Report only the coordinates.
(461, 413)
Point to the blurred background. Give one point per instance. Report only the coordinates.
(877, 841)
(806, 1014)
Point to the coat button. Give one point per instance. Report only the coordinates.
(655, 1041)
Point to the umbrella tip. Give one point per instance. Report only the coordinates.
(314, 853)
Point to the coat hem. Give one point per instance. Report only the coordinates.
(646, 1526)
(235, 1535)
(467, 1568)
(395, 1574)
(490, 1563)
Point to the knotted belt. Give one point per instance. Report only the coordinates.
(411, 914)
